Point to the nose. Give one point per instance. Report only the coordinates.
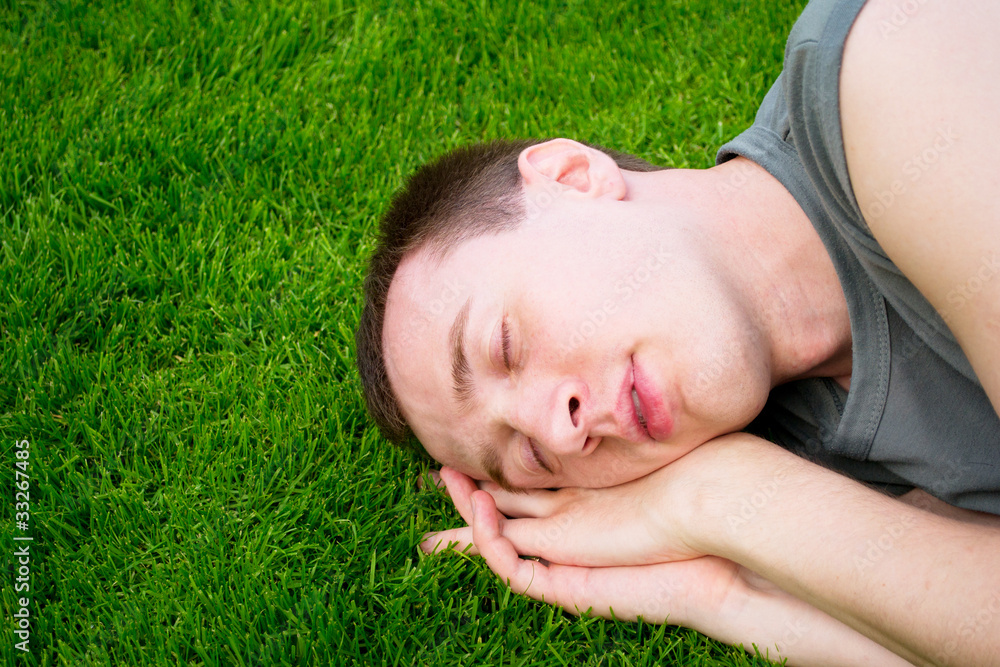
(561, 420)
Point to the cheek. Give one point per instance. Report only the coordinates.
(569, 327)
(447, 454)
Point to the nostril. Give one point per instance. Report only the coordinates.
(574, 405)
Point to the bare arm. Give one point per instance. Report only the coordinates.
(924, 585)
(920, 97)
(919, 104)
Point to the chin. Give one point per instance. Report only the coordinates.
(730, 414)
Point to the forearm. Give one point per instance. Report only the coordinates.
(781, 626)
(908, 579)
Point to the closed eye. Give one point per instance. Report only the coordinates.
(505, 343)
(536, 458)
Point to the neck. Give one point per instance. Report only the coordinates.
(765, 242)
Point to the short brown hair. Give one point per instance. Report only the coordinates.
(468, 192)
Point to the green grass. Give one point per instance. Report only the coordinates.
(188, 193)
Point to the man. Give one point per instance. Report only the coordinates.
(589, 337)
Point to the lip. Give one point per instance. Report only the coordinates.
(628, 418)
(659, 422)
(625, 409)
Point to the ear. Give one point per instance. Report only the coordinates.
(573, 168)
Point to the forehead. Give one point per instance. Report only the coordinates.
(426, 294)
(425, 297)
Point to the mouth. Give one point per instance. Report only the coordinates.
(652, 411)
(638, 410)
(631, 413)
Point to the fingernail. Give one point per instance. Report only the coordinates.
(473, 501)
(427, 546)
(436, 476)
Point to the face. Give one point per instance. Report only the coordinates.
(594, 344)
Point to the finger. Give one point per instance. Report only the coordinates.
(457, 539)
(525, 577)
(554, 584)
(526, 503)
(650, 591)
(572, 539)
(460, 488)
(430, 479)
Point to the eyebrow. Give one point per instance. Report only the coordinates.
(461, 373)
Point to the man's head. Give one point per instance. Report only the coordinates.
(468, 192)
(543, 314)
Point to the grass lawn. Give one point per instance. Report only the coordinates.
(189, 191)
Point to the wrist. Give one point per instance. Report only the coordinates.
(726, 482)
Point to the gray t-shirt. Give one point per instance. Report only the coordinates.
(916, 415)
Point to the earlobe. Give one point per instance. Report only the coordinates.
(573, 168)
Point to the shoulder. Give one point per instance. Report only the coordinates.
(918, 101)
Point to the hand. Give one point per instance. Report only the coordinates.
(659, 593)
(622, 525)
(712, 595)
